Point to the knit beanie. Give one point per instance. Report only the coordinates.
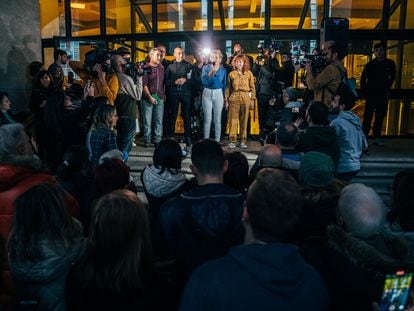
(316, 169)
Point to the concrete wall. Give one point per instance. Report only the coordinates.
(20, 44)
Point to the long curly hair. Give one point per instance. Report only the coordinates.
(242, 57)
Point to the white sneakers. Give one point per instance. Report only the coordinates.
(234, 145)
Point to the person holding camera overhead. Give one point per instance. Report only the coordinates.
(97, 69)
(325, 84)
(240, 96)
(213, 78)
(129, 93)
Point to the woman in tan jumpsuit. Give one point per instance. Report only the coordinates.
(240, 94)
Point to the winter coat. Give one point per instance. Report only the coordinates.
(256, 277)
(352, 141)
(43, 280)
(17, 175)
(354, 269)
(322, 139)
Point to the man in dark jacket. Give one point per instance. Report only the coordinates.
(178, 84)
(205, 222)
(268, 273)
(263, 70)
(376, 81)
(355, 255)
(319, 136)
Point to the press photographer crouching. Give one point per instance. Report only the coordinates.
(286, 108)
(96, 69)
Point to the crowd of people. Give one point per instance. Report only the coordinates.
(292, 232)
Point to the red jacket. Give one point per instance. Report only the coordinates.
(17, 175)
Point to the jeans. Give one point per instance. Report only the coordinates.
(212, 103)
(125, 128)
(152, 120)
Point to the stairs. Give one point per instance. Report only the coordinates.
(378, 168)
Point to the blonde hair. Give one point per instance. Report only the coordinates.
(216, 52)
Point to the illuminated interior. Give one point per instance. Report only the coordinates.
(184, 18)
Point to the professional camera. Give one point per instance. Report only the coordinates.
(318, 63)
(137, 69)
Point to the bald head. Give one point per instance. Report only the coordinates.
(270, 156)
(178, 54)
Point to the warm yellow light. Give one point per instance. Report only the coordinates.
(77, 5)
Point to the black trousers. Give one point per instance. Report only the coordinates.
(263, 109)
(173, 101)
(377, 105)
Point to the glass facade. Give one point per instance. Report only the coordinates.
(238, 15)
(181, 15)
(118, 16)
(85, 18)
(362, 14)
(291, 24)
(52, 18)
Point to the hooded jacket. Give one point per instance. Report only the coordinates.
(322, 139)
(256, 277)
(352, 141)
(163, 184)
(202, 224)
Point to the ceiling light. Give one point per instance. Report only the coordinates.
(77, 5)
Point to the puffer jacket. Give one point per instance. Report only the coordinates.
(17, 175)
(43, 280)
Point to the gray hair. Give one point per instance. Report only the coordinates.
(292, 93)
(111, 154)
(362, 210)
(152, 51)
(11, 137)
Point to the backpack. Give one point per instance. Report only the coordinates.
(347, 87)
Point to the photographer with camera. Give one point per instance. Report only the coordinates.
(326, 83)
(285, 71)
(264, 72)
(96, 69)
(129, 93)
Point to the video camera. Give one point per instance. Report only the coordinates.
(273, 47)
(317, 61)
(137, 69)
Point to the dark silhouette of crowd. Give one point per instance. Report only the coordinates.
(291, 233)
